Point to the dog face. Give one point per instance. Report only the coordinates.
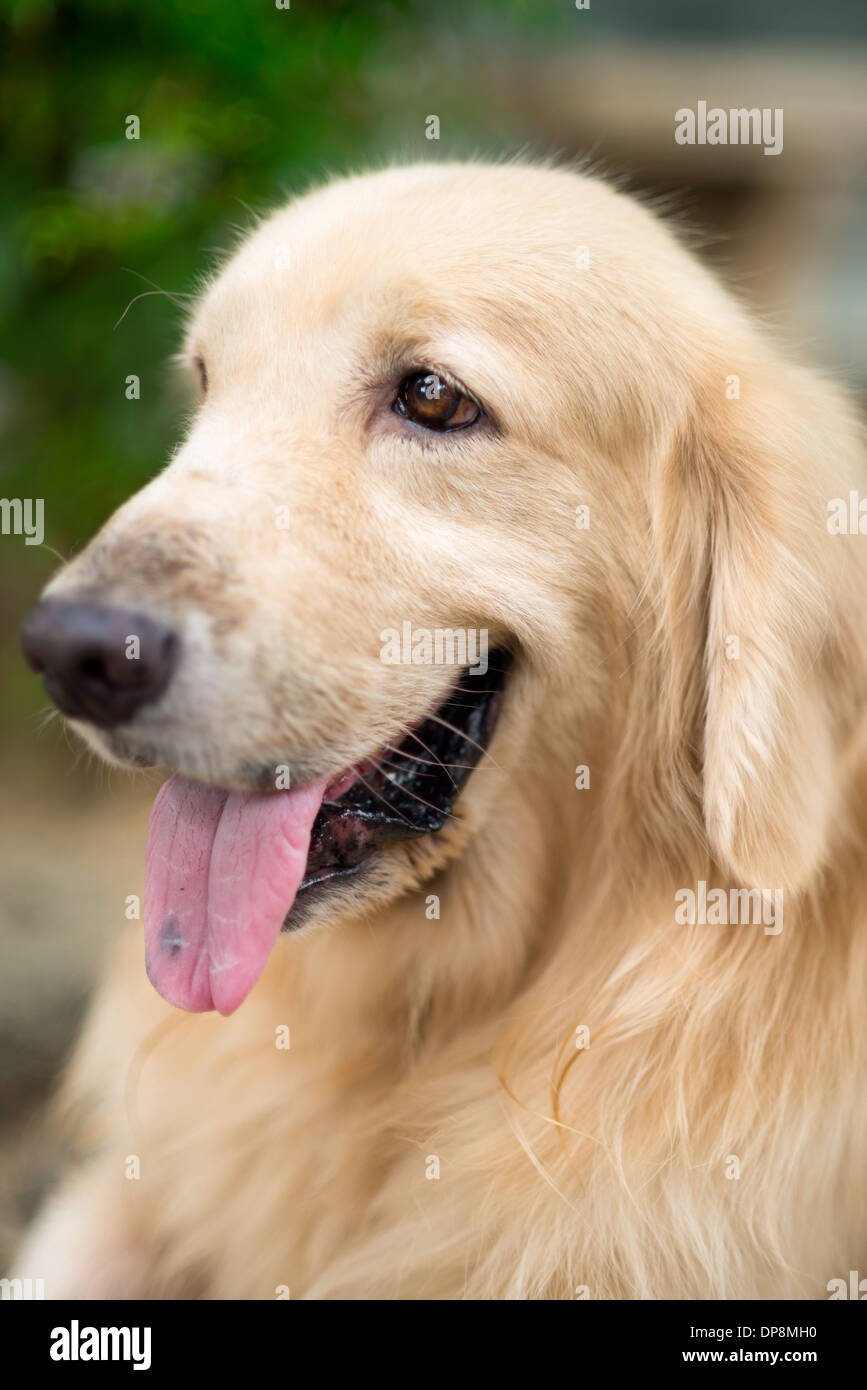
(457, 400)
(311, 508)
(308, 510)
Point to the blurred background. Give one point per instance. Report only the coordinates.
(241, 104)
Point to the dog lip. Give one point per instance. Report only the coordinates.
(415, 793)
(346, 779)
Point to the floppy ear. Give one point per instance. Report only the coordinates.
(752, 579)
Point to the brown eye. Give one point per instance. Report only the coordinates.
(203, 374)
(428, 399)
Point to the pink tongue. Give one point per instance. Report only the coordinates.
(221, 872)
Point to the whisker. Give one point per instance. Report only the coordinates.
(50, 548)
(435, 759)
(174, 295)
(381, 798)
(462, 734)
(415, 796)
(43, 717)
(428, 762)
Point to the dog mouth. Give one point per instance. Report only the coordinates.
(226, 872)
(408, 791)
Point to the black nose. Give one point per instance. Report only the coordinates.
(99, 664)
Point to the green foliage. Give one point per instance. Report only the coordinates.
(239, 103)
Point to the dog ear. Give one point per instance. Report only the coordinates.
(753, 581)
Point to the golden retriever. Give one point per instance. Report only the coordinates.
(572, 999)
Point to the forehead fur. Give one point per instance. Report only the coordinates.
(473, 261)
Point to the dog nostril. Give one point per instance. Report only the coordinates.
(99, 664)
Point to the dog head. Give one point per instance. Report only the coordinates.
(467, 469)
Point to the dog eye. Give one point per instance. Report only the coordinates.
(203, 374)
(428, 399)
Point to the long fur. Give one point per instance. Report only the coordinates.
(436, 1130)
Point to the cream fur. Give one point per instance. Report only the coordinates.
(561, 1169)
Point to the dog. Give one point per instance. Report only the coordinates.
(436, 1014)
